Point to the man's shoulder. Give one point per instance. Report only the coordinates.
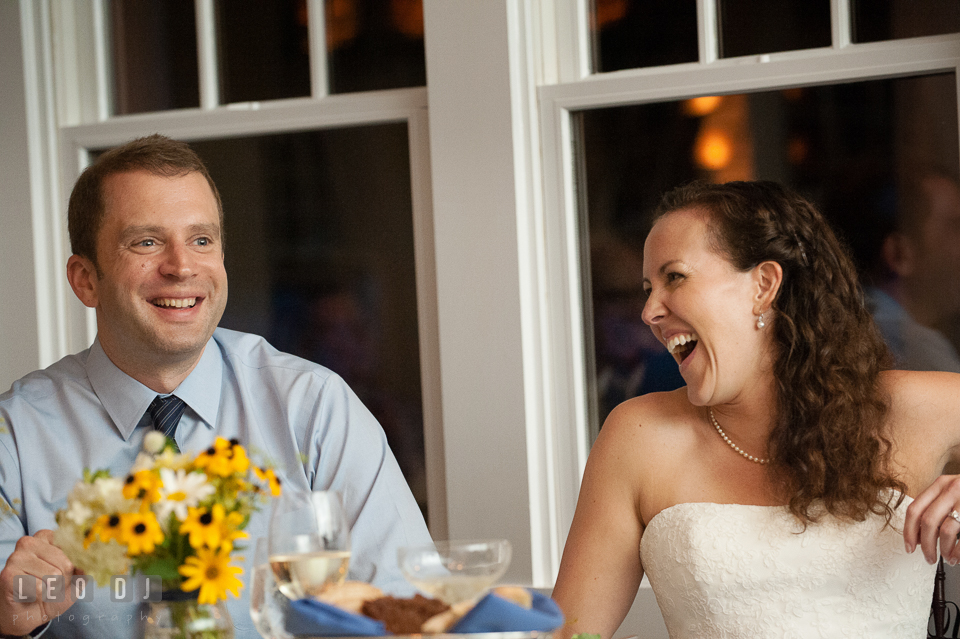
(43, 383)
(254, 353)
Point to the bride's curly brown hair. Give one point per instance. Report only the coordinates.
(829, 442)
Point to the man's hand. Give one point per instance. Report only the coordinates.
(36, 556)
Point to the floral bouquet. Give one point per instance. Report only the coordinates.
(175, 515)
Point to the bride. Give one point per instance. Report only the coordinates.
(783, 492)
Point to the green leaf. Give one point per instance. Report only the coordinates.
(89, 477)
(166, 568)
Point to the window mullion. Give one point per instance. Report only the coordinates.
(103, 64)
(708, 32)
(317, 28)
(840, 23)
(207, 54)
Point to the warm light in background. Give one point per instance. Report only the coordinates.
(408, 17)
(608, 11)
(798, 149)
(702, 106)
(713, 150)
(342, 22)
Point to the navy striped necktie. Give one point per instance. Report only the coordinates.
(166, 413)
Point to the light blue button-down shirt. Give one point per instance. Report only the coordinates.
(84, 412)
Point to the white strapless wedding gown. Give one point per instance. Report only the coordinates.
(722, 570)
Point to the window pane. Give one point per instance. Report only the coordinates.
(875, 20)
(629, 34)
(751, 27)
(880, 158)
(375, 44)
(154, 55)
(319, 252)
(264, 50)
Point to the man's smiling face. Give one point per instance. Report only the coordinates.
(161, 287)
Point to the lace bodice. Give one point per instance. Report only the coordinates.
(727, 570)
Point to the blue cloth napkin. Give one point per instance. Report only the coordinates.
(496, 614)
(310, 618)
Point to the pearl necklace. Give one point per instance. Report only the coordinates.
(734, 446)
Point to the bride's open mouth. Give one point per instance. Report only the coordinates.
(681, 346)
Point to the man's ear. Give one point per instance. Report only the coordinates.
(82, 275)
(768, 277)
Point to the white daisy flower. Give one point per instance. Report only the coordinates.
(180, 490)
(109, 491)
(79, 513)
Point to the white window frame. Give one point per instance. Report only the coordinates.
(78, 66)
(711, 75)
(496, 225)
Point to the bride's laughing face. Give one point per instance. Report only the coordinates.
(703, 309)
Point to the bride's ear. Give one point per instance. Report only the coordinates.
(768, 277)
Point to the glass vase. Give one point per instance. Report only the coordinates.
(179, 618)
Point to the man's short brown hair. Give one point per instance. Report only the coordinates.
(156, 154)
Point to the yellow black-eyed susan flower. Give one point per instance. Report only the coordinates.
(210, 572)
(213, 527)
(140, 532)
(267, 475)
(223, 458)
(143, 484)
(107, 527)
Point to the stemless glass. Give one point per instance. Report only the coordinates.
(309, 542)
(454, 571)
(266, 601)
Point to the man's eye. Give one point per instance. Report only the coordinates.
(146, 243)
(203, 241)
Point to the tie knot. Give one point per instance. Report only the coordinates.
(166, 413)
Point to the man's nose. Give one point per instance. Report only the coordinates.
(178, 261)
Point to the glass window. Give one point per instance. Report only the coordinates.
(876, 20)
(154, 55)
(879, 157)
(751, 27)
(629, 34)
(324, 269)
(375, 44)
(264, 50)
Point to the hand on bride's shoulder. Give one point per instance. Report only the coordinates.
(930, 519)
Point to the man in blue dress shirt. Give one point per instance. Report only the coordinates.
(145, 226)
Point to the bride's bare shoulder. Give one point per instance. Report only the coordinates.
(924, 408)
(647, 417)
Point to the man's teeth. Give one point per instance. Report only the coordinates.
(679, 340)
(187, 302)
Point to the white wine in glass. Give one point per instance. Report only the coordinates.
(309, 542)
(267, 604)
(308, 574)
(455, 571)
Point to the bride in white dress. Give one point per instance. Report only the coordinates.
(773, 496)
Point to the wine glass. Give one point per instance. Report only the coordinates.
(309, 542)
(454, 571)
(266, 601)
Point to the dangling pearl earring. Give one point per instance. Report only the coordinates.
(760, 322)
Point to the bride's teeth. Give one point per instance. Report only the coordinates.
(679, 340)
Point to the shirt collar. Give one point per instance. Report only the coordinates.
(126, 400)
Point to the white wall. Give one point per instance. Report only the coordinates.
(19, 350)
